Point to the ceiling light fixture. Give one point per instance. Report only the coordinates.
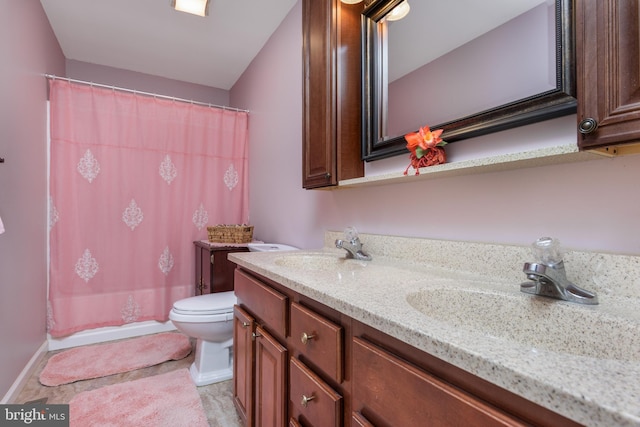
(195, 7)
(399, 12)
(351, 1)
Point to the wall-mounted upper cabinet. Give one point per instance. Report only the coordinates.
(608, 75)
(332, 92)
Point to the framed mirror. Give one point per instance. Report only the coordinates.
(444, 67)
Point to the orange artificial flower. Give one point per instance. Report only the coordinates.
(426, 148)
(423, 140)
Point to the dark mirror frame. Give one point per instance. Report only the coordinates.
(543, 106)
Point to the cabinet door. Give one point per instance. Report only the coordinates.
(608, 75)
(198, 276)
(243, 359)
(271, 381)
(207, 271)
(222, 270)
(389, 391)
(332, 92)
(319, 149)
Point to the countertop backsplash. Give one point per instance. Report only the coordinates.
(609, 275)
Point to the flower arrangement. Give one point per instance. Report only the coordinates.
(426, 148)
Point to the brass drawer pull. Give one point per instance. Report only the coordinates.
(255, 335)
(305, 400)
(306, 337)
(246, 324)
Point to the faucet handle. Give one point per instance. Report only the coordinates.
(350, 233)
(548, 251)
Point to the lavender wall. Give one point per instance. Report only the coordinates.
(592, 205)
(280, 209)
(145, 83)
(28, 49)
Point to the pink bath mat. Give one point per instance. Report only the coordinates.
(100, 360)
(170, 400)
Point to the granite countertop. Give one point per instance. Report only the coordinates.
(594, 385)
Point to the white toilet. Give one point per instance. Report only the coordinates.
(209, 319)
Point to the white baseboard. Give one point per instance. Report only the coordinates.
(109, 333)
(24, 376)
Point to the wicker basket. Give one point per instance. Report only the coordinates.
(230, 233)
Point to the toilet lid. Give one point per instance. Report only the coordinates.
(220, 302)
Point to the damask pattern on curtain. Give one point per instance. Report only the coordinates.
(134, 181)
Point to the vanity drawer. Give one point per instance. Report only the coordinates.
(318, 339)
(311, 398)
(265, 303)
(390, 391)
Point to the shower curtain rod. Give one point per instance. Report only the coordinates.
(155, 95)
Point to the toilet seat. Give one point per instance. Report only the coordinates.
(209, 304)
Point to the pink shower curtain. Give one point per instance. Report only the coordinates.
(134, 181)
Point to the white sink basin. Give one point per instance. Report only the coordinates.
(319, 262)
(535, 322)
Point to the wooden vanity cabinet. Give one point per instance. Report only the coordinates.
(607, 73)
(288, 357)
(214, 272)
(260, 360)
(332, 120)
(311, 366)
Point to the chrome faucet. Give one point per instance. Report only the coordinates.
(548, 277)
(352, 245)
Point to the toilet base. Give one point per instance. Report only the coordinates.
(213, 362)
(207, 378)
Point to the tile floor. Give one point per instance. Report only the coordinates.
(216, 398)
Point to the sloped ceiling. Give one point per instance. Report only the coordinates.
(149, 36)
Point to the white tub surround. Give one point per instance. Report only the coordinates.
(109, 333)
(563, 373)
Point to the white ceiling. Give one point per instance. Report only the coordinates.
(148, 36)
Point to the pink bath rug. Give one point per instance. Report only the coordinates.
(100, 360)
(170, 400)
